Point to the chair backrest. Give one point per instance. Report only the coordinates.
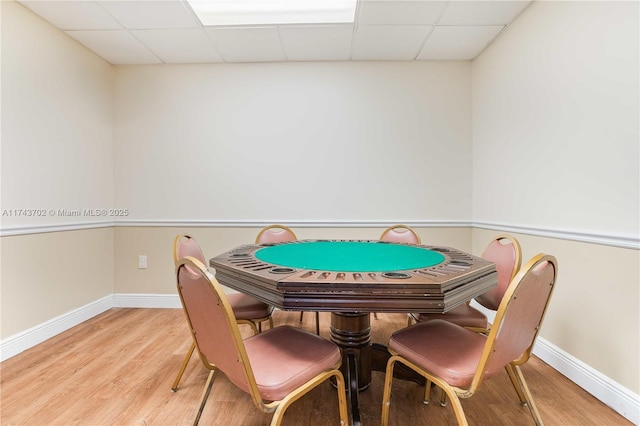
(213, 325)
(184, 245)
(275, 234)
(400, 234)
(505, 252)
(519, 316)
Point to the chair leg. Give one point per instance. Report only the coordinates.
(456, 405)
(445, 388)
(447, 391)
(427, 395)
(411, 320)
(514, 381)
(427, 392)
(183, 367)
(443, 399)
(205, 396)
(342, 400)
(317, 321)
(386, 397)
(375, 315)
(525, 389)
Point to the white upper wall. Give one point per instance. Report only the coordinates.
(57, 123)
(555, 120)
(294, 141)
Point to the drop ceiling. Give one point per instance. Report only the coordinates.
(168, 31)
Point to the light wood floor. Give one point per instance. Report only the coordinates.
(117, 369)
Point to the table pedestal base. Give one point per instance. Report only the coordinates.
(352, 332)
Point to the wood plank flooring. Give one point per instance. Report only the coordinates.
(117, 369)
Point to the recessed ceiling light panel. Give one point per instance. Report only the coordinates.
(273, 12)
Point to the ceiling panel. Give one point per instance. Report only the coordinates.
(74, 15)
(481, 12)
(257, 44)
(117, 47)
(167, 31)
(185, 45)
(396, 42)
(317, 43)
(458, 43)
(399, 12)
(148, 14)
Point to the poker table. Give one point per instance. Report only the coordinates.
(350, 279)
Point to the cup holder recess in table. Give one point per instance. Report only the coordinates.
(396, 275)
(281, 270)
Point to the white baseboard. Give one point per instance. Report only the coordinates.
(619, 398)
(22, 341)
(141, 300)
(614, 395)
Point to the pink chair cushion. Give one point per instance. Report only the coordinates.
(246, 307)
(441, 347)
(284, 358)
(463, 315)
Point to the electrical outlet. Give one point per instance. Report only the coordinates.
(142, 261)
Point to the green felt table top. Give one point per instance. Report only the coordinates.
(349, 256)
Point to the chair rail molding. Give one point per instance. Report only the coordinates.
(43, 229)
(629, 241)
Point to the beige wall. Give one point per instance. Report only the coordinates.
(48, 275)
(157, 244)
(594, 312)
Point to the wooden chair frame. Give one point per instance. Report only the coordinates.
(278, 408)
(513, 368)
